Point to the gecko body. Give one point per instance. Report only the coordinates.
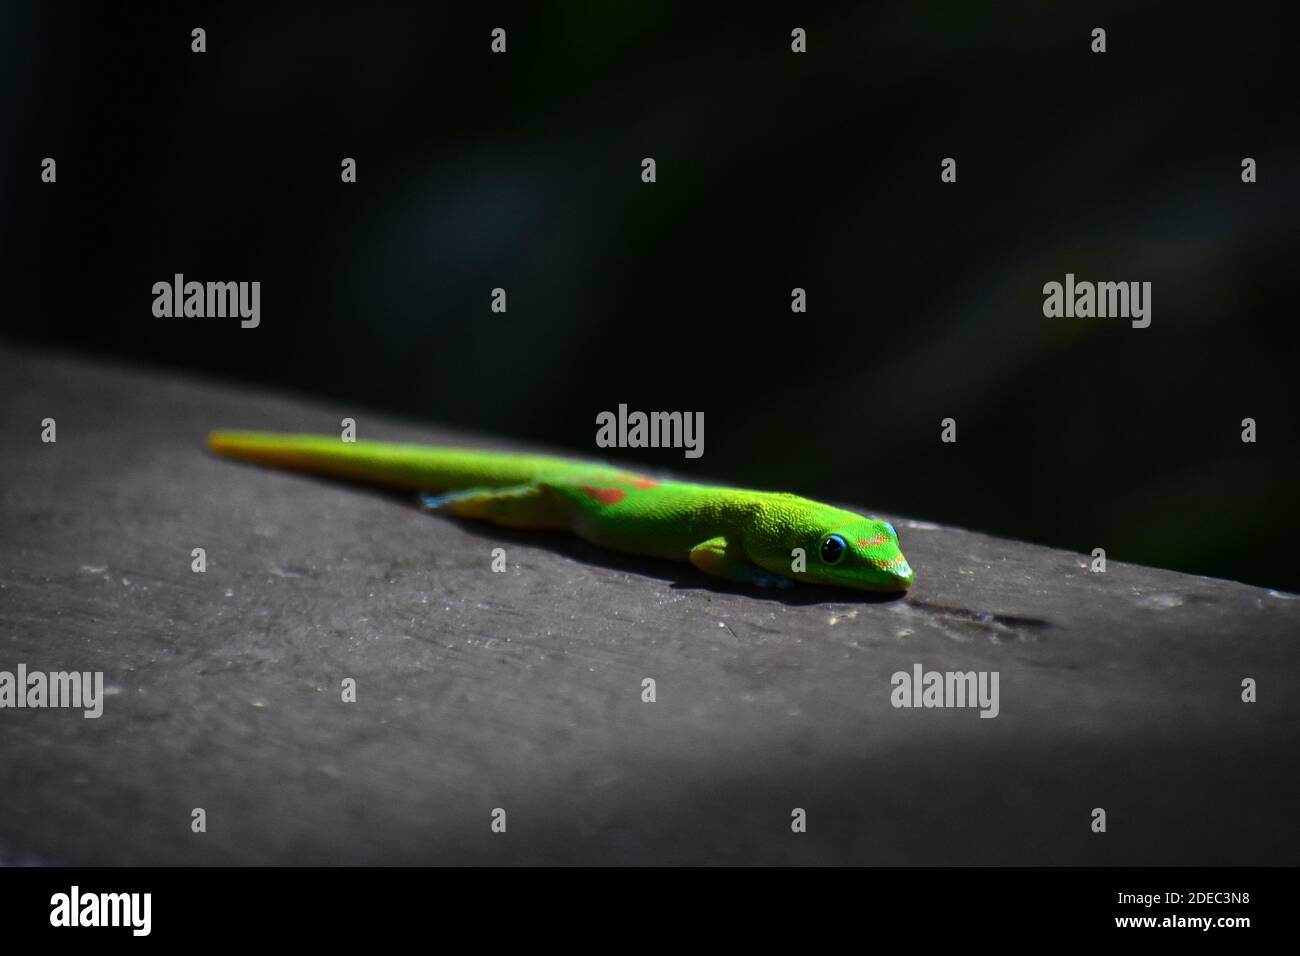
(751, 537)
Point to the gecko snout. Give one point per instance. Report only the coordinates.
(899, 572)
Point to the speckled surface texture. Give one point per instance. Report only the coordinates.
(523, 690)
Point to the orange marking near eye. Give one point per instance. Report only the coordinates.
(873, 542)
(606, 496)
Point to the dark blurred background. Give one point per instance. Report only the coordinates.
(775, 170)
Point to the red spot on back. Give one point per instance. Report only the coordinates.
(606, 496)
(639, 482)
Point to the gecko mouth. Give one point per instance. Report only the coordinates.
(900, 568)
(897, 575)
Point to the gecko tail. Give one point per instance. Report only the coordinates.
(328, 456)
(420, 468)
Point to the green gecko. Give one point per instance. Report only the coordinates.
(748, 537)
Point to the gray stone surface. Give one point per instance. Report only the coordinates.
(522, 690)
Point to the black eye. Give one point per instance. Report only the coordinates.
(833, 549)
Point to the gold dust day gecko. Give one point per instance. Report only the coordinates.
(751, 537)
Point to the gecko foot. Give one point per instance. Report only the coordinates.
(438, 502)
(766, 579)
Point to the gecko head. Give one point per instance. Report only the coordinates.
(862, 555)
(840, 549)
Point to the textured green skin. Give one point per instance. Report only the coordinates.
(742, 536)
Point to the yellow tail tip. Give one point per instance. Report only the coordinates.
(220, 442)
(237, 444)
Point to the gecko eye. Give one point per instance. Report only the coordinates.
(833, 549)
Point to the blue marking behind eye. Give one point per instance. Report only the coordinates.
(891, 530)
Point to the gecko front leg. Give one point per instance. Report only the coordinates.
(719, 558)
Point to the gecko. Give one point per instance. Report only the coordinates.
(760, 538)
